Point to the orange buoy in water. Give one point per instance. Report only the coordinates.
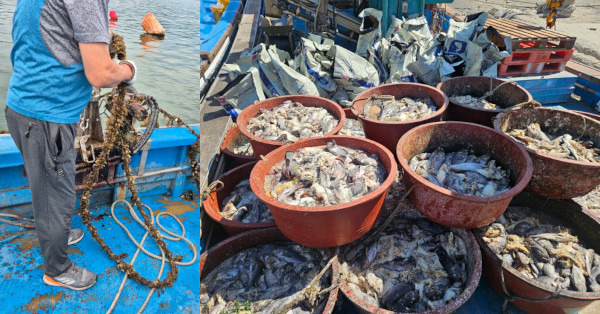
(113, 15)
(152, 26)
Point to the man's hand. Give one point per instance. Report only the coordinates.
(100, 70)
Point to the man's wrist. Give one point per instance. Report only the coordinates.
(131, 69)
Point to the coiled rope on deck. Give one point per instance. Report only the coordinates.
(173, 237)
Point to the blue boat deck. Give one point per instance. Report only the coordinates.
(163, 176)
(21, 268)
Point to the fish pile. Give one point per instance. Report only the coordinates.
(550, 254)
(241, 146)
(269, 277)
(291, 121)
(468, 100)
(387, 108)
(562, 146)
(462, 172)
(352, 127)
(242, 205)
(324, 175)
(415, 265)
(591, 201)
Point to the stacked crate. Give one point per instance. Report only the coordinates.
(535, 50)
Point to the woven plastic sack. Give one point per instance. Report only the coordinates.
(354, 73)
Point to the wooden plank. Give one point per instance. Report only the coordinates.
(522, 30)
(454, 13)
(219, 44)
(515, 33)
(583, 71)
(512, 31)
(540, 30)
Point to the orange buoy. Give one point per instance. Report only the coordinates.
(152, 26)
(113, 15)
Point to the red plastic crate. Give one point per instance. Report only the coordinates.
(548, 67)
(537, 56)
(531, 68)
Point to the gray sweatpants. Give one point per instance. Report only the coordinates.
(49, 156)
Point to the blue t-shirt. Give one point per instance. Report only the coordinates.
(48, 82)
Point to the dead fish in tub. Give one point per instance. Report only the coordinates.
(268, 276)
(291, 121)
(591, 201)
(324, 175)
(242, 205)
(462, 172)
(549, 254)
(387, 108)
(561, 146)
(414, 266)
(474, 102)
(352, 127)
(241, 146)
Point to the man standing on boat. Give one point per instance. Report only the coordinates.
(60, 49)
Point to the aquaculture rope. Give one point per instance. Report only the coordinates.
(117, 133)
(15, 223)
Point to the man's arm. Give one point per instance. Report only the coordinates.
(99, 69)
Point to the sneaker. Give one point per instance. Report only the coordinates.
(75, 235)
(75, 278)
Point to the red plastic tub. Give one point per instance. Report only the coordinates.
(552, 176)
(567, 213)
(588, 114)
(388, 133)
(325, 226)
(229, 140)
(506, 96)
(453, 209)
(212, 258)
(263, 147)
(212, 204)
(474, 267)
(349, 114)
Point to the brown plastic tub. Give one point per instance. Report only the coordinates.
(453, 209)
(552, 176)
(212, 204)
(325, 226)
(227, 146)
(565, 212)
(262, 146)
(588, 114)
(388, 133)
(506, 96)
(474, 267)
(212, 258)
(349, 114)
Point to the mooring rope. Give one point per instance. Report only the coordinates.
(16, 223)
(140, 246)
